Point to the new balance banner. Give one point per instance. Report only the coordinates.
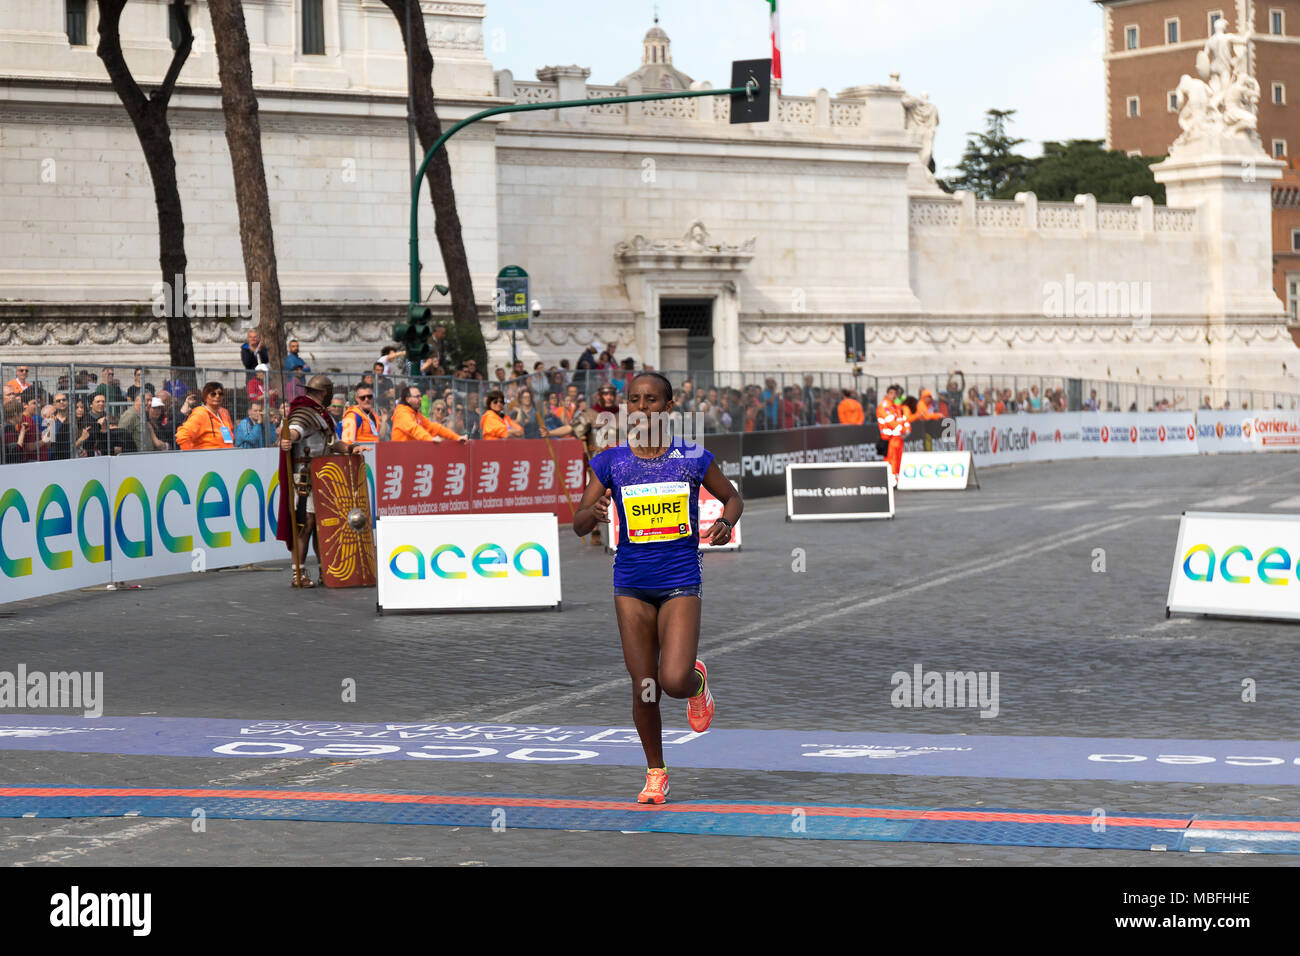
(450, 562)
(822, 492)
(1236, 565)
(710, 511)
(935, 471)
(518, 475)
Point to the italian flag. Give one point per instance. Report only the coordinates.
(776, 46)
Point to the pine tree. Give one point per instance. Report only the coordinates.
(990, 161)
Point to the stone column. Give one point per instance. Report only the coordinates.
(1233, 195)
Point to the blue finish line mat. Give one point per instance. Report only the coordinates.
(808, 821)
(1269, 762)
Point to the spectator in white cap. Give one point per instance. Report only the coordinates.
(157, 437)
(257, 384)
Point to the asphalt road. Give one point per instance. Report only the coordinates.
(1010, 587)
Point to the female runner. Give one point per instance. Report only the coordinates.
(657, 579)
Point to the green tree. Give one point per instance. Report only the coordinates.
(1078, 166)
(990, 161)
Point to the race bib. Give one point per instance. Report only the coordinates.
(657, 512)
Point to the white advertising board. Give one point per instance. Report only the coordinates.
(935, 471)
(71, 524)
(1009, 439)
(458, 562)
(1234, 430)
(1236, 565)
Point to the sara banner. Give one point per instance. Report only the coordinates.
(1243, 430)
(1236, 565)
(71, 524)
(452, 562)
(420, 478)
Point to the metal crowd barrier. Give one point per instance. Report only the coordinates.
(67, 419)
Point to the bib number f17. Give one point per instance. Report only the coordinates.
(657, 512)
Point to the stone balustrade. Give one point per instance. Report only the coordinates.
(1025, 213)
(818, 114)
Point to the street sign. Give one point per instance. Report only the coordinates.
(754, 105)
(511, 302)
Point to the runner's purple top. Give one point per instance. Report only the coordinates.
(658, 501)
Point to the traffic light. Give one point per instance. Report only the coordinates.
(755, 104)
(413, 334)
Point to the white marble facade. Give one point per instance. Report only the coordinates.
(820, 217)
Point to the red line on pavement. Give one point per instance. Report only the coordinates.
(885, 813)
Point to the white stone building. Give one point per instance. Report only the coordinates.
(761, 240)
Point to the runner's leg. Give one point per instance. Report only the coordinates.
(679, 643)
(637, 628)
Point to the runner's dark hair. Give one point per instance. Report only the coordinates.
(668, 386)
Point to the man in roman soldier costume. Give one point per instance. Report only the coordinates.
(307, 433)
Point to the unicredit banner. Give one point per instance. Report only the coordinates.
(935, 471)
(520, 475)
(89, 521)
(1236, 565)
(1008, 439)
(450, 562)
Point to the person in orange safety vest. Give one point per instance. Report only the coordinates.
(410, 425)
(849, 411)
(360, 424)
(893, 426)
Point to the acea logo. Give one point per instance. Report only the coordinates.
(448, 561)
(134, 523)
(1237, 565)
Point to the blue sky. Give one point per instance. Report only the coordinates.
(1039, 57)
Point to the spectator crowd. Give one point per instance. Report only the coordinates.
(94, 413)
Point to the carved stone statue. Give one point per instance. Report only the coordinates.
(1219, 111)
(922, 118)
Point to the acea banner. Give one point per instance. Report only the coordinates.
(1236, 565)
(935, 471)
(453, 562)
(71, 524)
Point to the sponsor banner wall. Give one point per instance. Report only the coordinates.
(447, 562)
(1235, 430)
(1008, 439)
(71, 524)
(839, 491)
(935, 471)
(500, 477)
(1237, 565)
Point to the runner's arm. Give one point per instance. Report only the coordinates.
(732, 505)
(593, 509)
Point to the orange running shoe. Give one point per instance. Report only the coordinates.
(656, 786)
(699, 709)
